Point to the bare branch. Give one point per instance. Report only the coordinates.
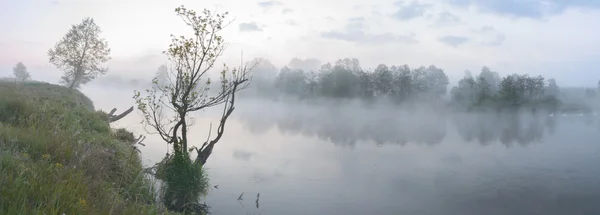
(113, 118)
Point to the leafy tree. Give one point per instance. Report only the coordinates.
(402, 89)
(366, 86)
(168, 108)
(263, 77)
(465, 92)
(491, 77)
(80, 54)
(383, 80)
(436, 81)
(483, 91)
(162, 75)
(509, 90)
(342, 79)
(552, 89)
(292, 82)
(20, 72)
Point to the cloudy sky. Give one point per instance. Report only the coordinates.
(556, 38)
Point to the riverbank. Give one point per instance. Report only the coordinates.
(59, 155)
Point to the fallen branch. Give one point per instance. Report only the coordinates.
(113, 118)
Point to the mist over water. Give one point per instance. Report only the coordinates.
(325, 157)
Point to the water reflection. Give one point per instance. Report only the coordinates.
(506, 128)
(346, 126)
(298, 175)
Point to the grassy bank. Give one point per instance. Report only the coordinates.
(58, 155)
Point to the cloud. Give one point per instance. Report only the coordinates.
(329, 18)
(365, 38)
(355, 32)
(267, 4)
(526, 8)
(357, 19)
(249, 27)
(454, 41)
(410, 11)
(445, 18)
(291, 22)
(490, 36)
(287, 10)
(356, 23)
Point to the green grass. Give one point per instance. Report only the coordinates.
(58, 155)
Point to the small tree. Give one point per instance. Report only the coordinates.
(162, 75)
(167, 108)
(20, 72)
(80, 54)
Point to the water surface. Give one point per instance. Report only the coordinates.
(341, 160)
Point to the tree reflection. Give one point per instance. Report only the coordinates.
(349, 128)
(346, 127)
(513, 128)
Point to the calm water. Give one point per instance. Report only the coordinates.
(349, 160)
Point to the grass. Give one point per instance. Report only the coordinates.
(58, 155)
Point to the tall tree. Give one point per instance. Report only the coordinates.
(491, 77)
(162, 75)
(168, 108)
(188, 91)
(403, 88)
(293, 82)
(20, 72)
(382, 80)
(466, 91)
(552, 89)
(80, 54)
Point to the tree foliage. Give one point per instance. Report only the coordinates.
(80, 54)
(20, 72)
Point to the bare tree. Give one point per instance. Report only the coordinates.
(167, 107)
(20, 72)
(80, 54)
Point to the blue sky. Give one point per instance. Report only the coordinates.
(555, 38)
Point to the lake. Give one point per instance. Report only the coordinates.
(346, 159)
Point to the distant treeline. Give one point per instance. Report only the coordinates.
(346, 79)
(401, 84)
(489, 91)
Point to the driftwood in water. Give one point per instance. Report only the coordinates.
(113, 118)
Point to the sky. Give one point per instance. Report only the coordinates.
(554, 38)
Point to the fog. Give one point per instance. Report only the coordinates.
(315, 156)
(392, 107)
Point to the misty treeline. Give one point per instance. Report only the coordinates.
(488, 90)
(346, 79)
